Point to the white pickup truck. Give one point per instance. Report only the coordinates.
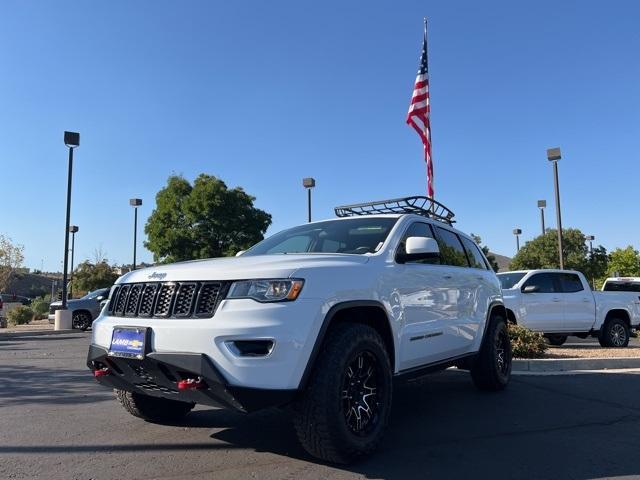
(559, 303)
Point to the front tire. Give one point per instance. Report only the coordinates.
(615, 334)
(491, 369)
(81, 321)
(345, 408)
(153, 409)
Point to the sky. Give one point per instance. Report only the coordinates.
(262, 94)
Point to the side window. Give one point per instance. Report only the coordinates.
(544, 282)
(473, 252)
(417, 229)
(570, 283)
(451, 250)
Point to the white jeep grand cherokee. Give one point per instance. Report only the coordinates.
(319, 318)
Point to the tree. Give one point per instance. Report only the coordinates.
(487, 253)
(11, 258)
(624, 262)
(91, 276)
(202, 220)
(542, 252)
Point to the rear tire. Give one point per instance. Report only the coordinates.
(153, 409)
(614, 334)
(491, 369)
(344, 410)
(556, 340)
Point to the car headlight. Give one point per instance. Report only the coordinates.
(276, 290)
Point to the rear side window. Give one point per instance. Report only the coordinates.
(476, 259)
(544, 281)
(570, 282)
(451, 250)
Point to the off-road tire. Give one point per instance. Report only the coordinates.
(81, 321)
(491, 369)
(614, 334)
(321, 415)
(153, 409)
(556, 340)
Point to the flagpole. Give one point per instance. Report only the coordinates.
(433, 183)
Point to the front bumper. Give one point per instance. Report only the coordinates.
(158, 373)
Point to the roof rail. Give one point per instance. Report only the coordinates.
(425, 206)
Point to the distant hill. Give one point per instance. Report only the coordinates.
(503, 262)
(30, 284)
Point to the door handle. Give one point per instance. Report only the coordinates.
(447, 277)
(586, 300)
(557, 300)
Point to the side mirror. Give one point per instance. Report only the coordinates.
(531, 289)
(240, 253)
(419, 248)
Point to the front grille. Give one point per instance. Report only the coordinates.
(167, 299)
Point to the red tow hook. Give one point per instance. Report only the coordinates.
(191, 384)
(101, 372)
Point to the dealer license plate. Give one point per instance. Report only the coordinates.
(128, 342)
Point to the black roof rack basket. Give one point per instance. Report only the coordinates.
(425, 206)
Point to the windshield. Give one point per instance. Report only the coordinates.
(95, 294)
(612, 286)
(508, 280)
(353, 235)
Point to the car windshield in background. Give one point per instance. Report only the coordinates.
(621, 287)
(95, 293)
(508, 280)
(350, 236)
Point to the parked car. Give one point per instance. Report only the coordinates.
(319, 318)
(621, 284)
(84, 309)
(559, 303)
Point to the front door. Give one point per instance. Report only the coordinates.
(542, 310)
(579, 306)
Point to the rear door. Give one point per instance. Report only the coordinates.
(579, 305)
(542, 310)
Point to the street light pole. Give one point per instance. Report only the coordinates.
(135, 203)
(71, 140)
(517, 232)
(554, 155)
(72, 229)
(308, 183)
(591, 238)
(542, 205)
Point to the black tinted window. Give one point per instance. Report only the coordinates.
(544, 282)
(473, 252)
(570, 282)
(508, 280)
(451, 251)
(417, 229)
(621, 287)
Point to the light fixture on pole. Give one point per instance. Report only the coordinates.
(591, 238)
(73, 229)
(517, 232)
(309, 183)
(542, 204)
(554, 155)
(71, 140)
(135, 203)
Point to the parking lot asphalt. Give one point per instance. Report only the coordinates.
(56, 422)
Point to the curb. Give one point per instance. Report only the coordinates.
(567, 364)
(35, 333)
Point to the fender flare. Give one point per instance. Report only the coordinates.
(328, 318)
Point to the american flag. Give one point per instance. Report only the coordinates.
(418, 116)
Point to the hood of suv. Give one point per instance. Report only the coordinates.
(239, 268)
(74, 303)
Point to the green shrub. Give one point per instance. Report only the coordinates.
(20, 315)
(40, 307)
(526, 343)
